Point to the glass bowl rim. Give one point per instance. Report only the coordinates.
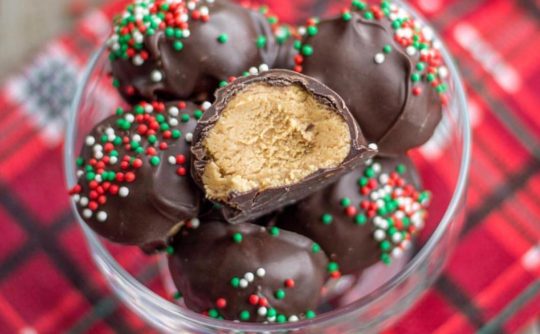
(201, 320)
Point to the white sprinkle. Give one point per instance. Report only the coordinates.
(261, 272)
(138, 60)
(210, 1)
(90, 141)
(443, 72)
(374, 196)
(130, 118)
(111, 137)
(379, 235)
(383, 178)
(173, 122)
(98, 155)
(80, 173)
(206, 105)
(293, 318)
(406, 244)
(195, 223)
(84, 201)
(148, 108)
(186, 33)
(113, 160)
(173, 111)
(428, 33)
(123, 191)
(396, 237)
(138, 37)
(156, 76)
(397, 252)
(136, 137)
(243, 283)
(376, 167)
(98, 178)
(87, 213)
(172, 160)
(373, 147)
(379, 58)
(302, 31)
(437, 45)
(76, 198)
(263, 68)
(249, 277)
(411, 50)
(262, 311)
(380, 203)
(189, 137)
(399, 214)
(191, 5)
(378, 221)
(253, 71)
(97, 148)
(102, 216)
(109, 131)
(184, 17)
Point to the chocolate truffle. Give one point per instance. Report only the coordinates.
(184, 49)
(387, 68)
(272, 139)
(134, 183)
(369, 215)
(248, 273)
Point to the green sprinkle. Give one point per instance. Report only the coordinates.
(271, 313)
(315, 248)
(139, 150)
(80, 161)
(273, 20)
(184, 118)
(441, 88)
(213, 313)
(415, 77)
(244, 315)
(280, 294)
(387, 48)
(169, 32)
(274, 231)
(235, 282)
(359, 4)
(178, 45)
(420, 66)
(237, 237)
(297, 45)
(223, 38)
(119, 111)
(197, 114)
(114, 153)
(345, 201)
(369, 172)
(155, 161)
(170, 250)
(90, 176)
(332, 267)
(385, 245)
(385, 258)
(327, 219)
(360, 219)
(261, 42)
(160, 118)
(396, 24)
(401, 169)
(312, 30)
(347, 16)
(310, 314)
(307, 50)
(116, 82)
(176, 133)
(152, 139)
(430, 77)
(139, 109)
(362, 182)
(281, 319)
(177, 295)
(164, 127)
(223, 83)
(368, 15)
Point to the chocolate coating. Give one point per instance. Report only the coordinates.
(241, 207)
(386, 90)
(125, 192)
(345, 229)
(223, 45)
(209, 267)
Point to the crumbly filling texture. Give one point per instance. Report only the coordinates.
(272, 136)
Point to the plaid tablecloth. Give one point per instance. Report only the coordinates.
(492, 284)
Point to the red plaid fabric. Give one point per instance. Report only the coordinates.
(492, 284)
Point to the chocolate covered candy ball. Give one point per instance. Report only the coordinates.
(248, 273)
(387, 68)
(369, 215)
(272, 139)
(134, 184)
(185, 49)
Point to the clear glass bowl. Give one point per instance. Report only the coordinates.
(384, 293)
